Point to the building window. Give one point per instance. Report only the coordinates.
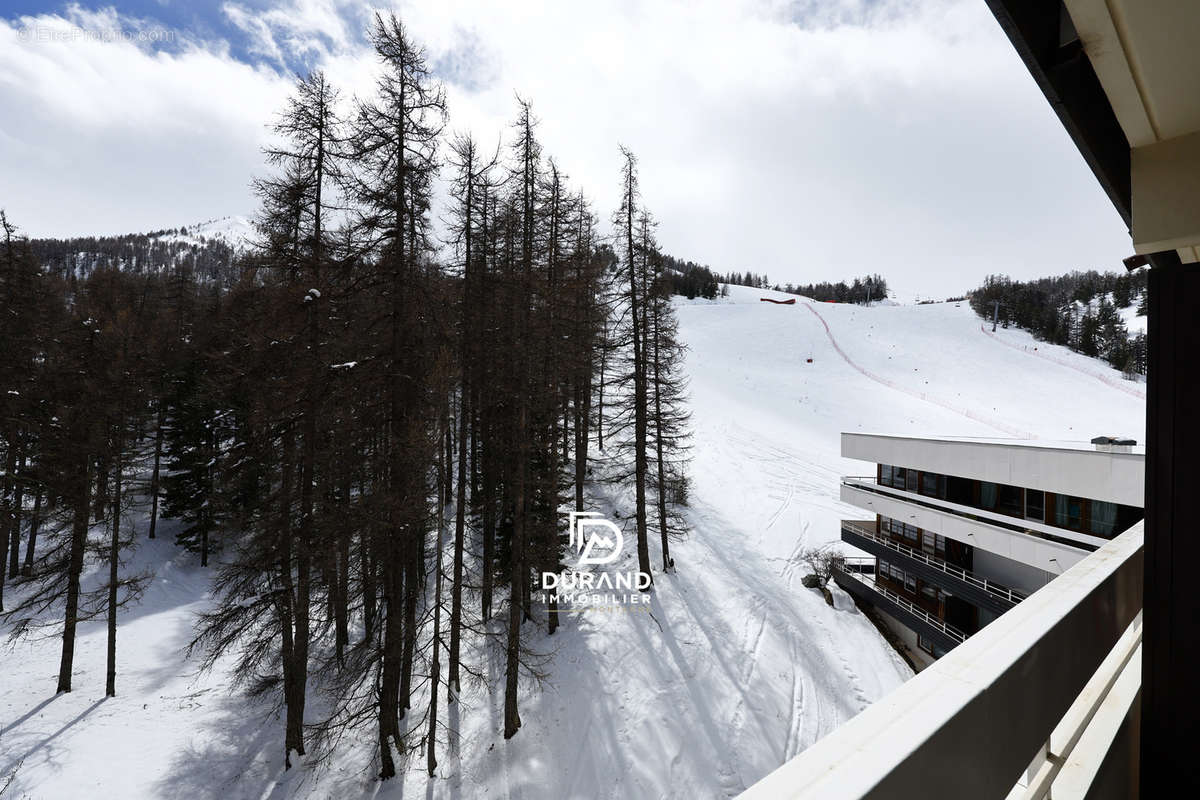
(933, 484)
(987, 495)
(960, 490)
(911, 480)
(924, 644)
(1068, 511)
(885, 474)
(910, 583)
(1104, 518)
(909, 532)
(1126, 516)
(940, 543)
(1009, 500)
(1035, 505)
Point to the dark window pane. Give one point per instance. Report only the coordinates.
(1009, 500)
(912, 480)
(1127, 516)
(987, 495)
(1035, 505)
(1068, 511)
(960, 490)
(1104, 518)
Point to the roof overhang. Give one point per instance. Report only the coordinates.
(1124, 78)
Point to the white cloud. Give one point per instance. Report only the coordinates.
(809, 141)
(104, 135)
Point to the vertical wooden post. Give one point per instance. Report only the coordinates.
(1171, 632)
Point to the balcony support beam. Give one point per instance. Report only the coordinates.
(1171, 645)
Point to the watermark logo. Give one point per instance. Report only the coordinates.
(598, 542)
(594, 547)
(74, 33)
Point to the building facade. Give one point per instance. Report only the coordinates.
(958, 531)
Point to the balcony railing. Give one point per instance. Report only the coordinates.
(1003, 593)
(1042, 702)
(907, 605)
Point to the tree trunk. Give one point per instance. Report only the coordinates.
(600, 389)
(389, 684)
(517, 578)
(34, 523)
(6, 513)
(435, 662)
(639, 387)
(459, 540)
(79, 529)
(292, 627)
(14, 551)
(367, 578)
(464, 415)
(341, 620)
(489, 532)
(114, 550)
(154, 475)
(658, 448)
(412, 584)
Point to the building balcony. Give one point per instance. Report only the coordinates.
(978, 591)
(1045, 701)
(1027, 541)
(865, 588)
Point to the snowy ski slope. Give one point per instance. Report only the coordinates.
(736, 669)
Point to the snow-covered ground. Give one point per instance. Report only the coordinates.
(736, 668)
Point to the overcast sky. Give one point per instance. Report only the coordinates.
(811, 140)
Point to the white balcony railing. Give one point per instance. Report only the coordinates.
(1041, 703)
(1003, 593)
(909, 606)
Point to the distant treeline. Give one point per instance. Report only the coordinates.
(211, 261)
(1080, 310)
(690, 279)
(860, 290)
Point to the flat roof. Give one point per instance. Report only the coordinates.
(1043, 444)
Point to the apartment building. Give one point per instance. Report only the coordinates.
(958, 531)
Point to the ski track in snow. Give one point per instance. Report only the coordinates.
(736, 668)
(991, 423)
(1120, 384)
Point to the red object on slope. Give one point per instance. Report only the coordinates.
(791, 302)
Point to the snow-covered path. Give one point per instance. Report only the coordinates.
(735, 668)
